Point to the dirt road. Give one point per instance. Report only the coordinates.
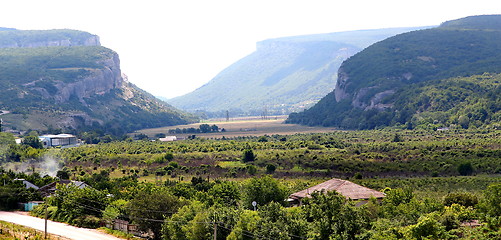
(56, 228)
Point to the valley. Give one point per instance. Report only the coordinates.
(240, 127)
(404, 142)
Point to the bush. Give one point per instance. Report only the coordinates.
(248, 156)
(87, 221)
(465, 169)
(270, 168)
(461, 198)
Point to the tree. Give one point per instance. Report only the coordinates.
(33, 141)
(63, 174)
(428, 227)
(226, 193)
(492, 200)
(114, 210)
(334, 217)
(263, 190)
(248, 156)
(462, 198)
(175, 227)
(465, 169)
(149, 208)
(204, 128)
(75, 204)
(270, 168)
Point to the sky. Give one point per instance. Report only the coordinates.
(170, 48)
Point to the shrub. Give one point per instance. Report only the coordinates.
(461, 198)
(465, 169)
(248, 156)
(87, 221)
(270, 168)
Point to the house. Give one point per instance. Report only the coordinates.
(50, 188)
(346, 188)
(168, 139)
(27, 184)
(60, 140)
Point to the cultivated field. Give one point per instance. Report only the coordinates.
(251, 126)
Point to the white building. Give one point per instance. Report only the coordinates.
(60, 140)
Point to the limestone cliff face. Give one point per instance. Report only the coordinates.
(99, 81)
(46, 38)
(91, 41)
(341, 84)
(341, 92)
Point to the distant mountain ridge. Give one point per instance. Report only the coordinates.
(370, 86)
(13, 38)
(65, 79)
(282, 75)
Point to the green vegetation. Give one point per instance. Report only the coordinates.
(341, 153)
(203, 128)
(453, 103)
(181, 190)
(422, 77)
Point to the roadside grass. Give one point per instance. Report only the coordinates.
(11, 231)
(117, 233)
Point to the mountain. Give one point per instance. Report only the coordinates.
(282, 75)
(403, 78)
(65, 79)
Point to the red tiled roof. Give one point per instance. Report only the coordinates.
(343, 187)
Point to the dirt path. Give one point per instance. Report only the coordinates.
(56, 228)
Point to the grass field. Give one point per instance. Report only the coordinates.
(239, 127)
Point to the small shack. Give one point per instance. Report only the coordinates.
(346, 188)
(30, 205)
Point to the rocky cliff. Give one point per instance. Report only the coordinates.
(65, 79)
(371, 84)
(13, 38)
(99, 81)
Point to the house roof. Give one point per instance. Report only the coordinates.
(51, 187)
(63, 135)
(343, 187)
(27, 184)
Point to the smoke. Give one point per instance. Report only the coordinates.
(46, 165)
(49, 165)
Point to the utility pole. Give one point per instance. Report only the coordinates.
(46, 215)
(215, 231)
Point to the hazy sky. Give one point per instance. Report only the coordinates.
(170, 48)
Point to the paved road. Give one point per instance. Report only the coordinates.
(60, 229)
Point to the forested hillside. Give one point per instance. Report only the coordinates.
(282, 75)
(405, 80)
(73, 88)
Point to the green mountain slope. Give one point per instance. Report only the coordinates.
(368, 93)
(282, 75)
(72, 86)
